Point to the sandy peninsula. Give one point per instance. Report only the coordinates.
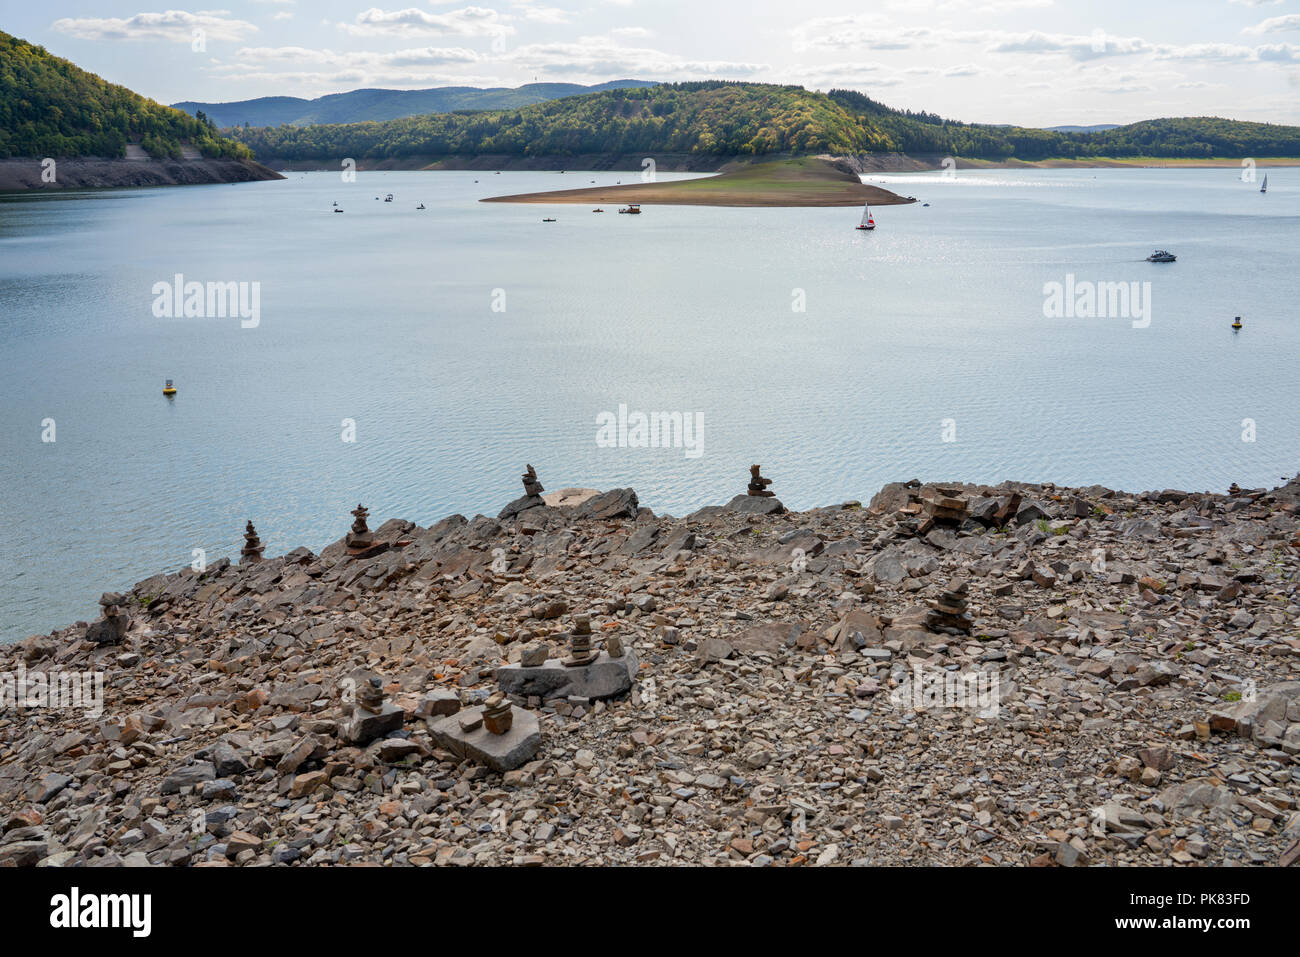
(808, 181)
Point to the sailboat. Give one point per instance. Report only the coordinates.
(1263, 187)
(867, 221)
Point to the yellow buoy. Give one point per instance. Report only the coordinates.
(169, 389)
(1236, 323)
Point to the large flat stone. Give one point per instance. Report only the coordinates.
(755, 505)
(616, 503)
(603, 678)
(500, 752)
(521, 504)
(364, 727)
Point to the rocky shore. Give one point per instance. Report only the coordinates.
(93, 172)
(590, 683)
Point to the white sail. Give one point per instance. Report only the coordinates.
(1264, 187)
(866, 213)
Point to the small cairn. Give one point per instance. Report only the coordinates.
(113, 626)
(943, 506)
(1234, 489)
(581, 650)
(372, 715)
(531, 485)
(532, 497)
(251, 553)
(497, 716)
(370, 697)
(948, 613)
(757, 484)
(360, 541)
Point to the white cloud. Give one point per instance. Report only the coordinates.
(468, 22)
(537, 13)
(602, 57)
(176, 26)
(1290, 21)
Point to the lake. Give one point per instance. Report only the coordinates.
(455, 344)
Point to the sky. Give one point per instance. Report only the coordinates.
(1027, 62)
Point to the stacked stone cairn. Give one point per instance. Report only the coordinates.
(497, 716)
(948, 613)
(113, 626)
(945, 507)
(581, 650)
(758, 485)
(251, 553)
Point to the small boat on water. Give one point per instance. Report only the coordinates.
(169, 389)
(1263, 187)
(867, 221)
(633, 208)
(421, 206)
(1236, 323)
(548, 220)
(1160, 256)
(388, 198)
(338, 209)
(597, 210)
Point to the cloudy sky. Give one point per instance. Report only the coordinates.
(1031, 62)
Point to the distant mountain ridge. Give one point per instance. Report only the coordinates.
(716, 118)
(378, 105)
(1095, 128)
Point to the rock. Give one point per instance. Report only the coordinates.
(769, 638)
(438, 703)
(48, 786)
(500, 752)
(755, 505)
(605, 677)
(857, 629)
(519, 505)
(303, 750)
(364, 726)
(227, 761)
(534, 656)
(189, 775)
(305, 784)
(614, 504)
(713, 649)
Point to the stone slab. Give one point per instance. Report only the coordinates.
(603, 678)
(500, 752)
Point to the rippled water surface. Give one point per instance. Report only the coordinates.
(384, 315)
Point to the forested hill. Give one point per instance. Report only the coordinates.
(717, 118)
(50, 107)
(357, 106)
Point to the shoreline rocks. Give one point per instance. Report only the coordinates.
(954, 675)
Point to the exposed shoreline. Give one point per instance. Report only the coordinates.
(1138, 655)
(97, 172)
(810, 181)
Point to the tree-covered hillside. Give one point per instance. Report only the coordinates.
(50, 107)
(717, 118)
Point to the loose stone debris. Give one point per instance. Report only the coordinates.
(403, 696)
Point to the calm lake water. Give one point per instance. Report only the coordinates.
(385, 316)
